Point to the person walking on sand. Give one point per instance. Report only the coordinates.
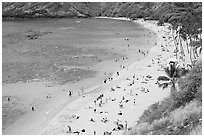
(126, 125)
(94, 132)
(70, 93)
(69, 129)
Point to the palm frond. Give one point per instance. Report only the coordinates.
(164, 85)
(168, 72)
(163, 78)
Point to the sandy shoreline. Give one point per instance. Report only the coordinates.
(134, 90)
(83, 106)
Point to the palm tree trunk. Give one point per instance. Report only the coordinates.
(173, 87)
(187, 46)
(181, 46)
(191, 52)
(194, 53)
(175, 43)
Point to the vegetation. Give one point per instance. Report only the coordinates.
(180, 113)
(49, 9)
(173, 74)
(186, 22)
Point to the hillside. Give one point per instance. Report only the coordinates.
(49, 9)
(148, 10)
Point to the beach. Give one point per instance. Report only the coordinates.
(101, 106)
(120, 101)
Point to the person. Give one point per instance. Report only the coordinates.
(105, 81)
(76, 132)
(70, 93)
(48, 95)
(120, 105)
(8, 99)
(83, 130)
(69, 129)
(125, 124)
(94, 132)
(33, 109)
(92, 120)
(134, 101)
(120, 113)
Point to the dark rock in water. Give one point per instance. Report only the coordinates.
(35, 34)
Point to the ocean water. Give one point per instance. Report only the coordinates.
(75, 30)
(105, 39)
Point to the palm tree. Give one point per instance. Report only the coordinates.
(186, 21)
(173, 73)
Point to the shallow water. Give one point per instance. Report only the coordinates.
(102, 38)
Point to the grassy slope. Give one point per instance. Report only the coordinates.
(179, 114)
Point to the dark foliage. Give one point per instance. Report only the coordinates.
(164, 11)
(190, 93)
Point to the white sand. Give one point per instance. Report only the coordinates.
(83, 108)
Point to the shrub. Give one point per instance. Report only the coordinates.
(160, 22)
(161, 123)
(186, 118)
(190, 87)
(141, 129)
(197, 130)
(184, 115)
